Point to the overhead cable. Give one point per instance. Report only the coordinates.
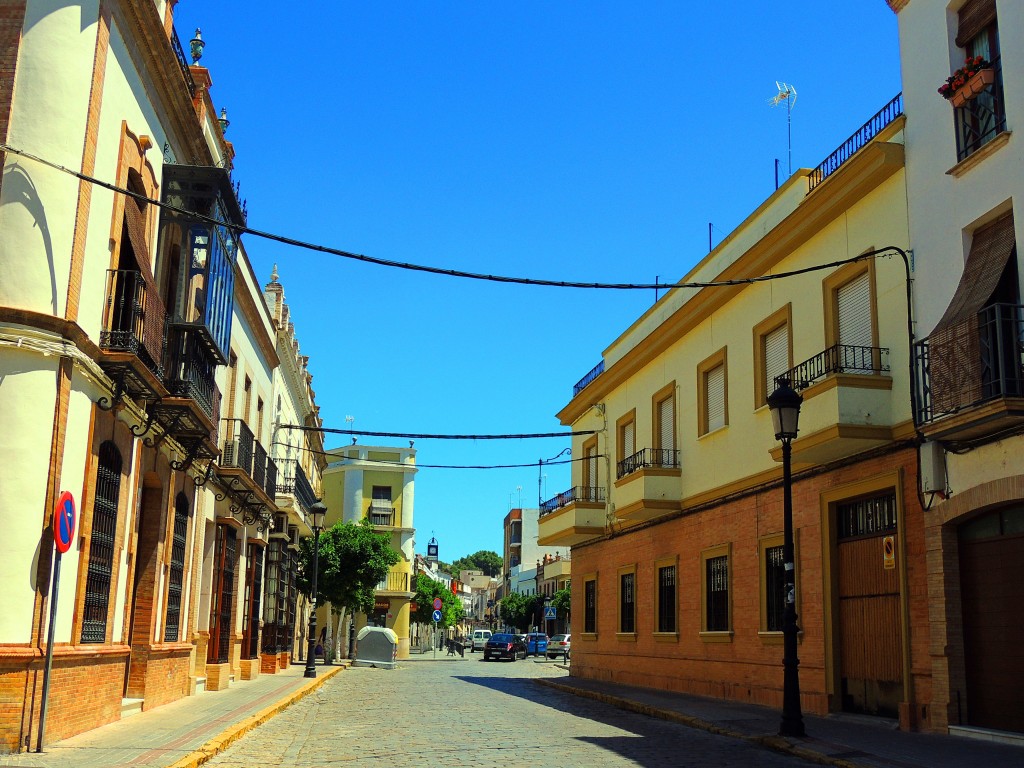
(423, 436)
(392, 462)
(422, 267)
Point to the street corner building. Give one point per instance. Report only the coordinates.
(907, 480)
(144, 372)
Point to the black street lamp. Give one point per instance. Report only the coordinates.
(784, 404)
(318, 512)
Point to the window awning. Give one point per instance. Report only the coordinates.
(973, 17)
(990, 250)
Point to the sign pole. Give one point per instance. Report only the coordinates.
(54, 590)
(434, 642)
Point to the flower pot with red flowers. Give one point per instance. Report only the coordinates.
(967, 82)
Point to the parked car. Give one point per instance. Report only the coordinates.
(479, 639)
(504, 646)
(536, 644)
(559, 645)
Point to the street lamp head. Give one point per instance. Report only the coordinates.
(319, 512)
(784, 404)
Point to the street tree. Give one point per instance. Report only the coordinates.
(353, 559)
(426, 590)
(519, 611)
(487, 561)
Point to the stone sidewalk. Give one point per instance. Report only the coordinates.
(184, 733)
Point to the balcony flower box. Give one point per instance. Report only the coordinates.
(967, 82)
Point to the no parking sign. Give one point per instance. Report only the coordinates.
(64, 522)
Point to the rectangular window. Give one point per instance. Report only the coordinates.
(776, 356)
(873, 516)
(980, 109)
(247, 402)
(853, 308)
(716, 590)
(774, 588)
(851, 327)
(590, 464)
(259, 418)
(590, 606)
(667, 598)
(712, 393)
(175, 576)
(665, 454)
(773, 342)
(626, 431)
(627, 602)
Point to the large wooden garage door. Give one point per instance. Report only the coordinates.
(992, 591)
(870, 653)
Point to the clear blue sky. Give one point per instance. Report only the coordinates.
(562, 140)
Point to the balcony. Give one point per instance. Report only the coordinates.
(857, 141)
(381, 514)
(191, 410)
(245, 470)
(572, 517)
(596, 371)
(394, 582)
(132, 338)
(848, 404)
(292, 481)
(648, 484)
(971, 376)
(982, 118)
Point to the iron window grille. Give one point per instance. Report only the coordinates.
(590, 606)
(774, 588)
(627, 603)
(177, 570)
(667, 599)
(717, 595)
(101, 544)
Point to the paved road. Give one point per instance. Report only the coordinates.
(467, 712)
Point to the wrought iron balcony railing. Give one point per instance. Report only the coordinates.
(849, 148)
(134, 318)
(596, 371)
(647, 457)
(839, 358)
(970, 363)
(394, 582)
(979, 120)
(243, 451)
(179, 54)
(293, 481)
(585, 494)
(190, 372)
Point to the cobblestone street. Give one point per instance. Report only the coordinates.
(471, 713)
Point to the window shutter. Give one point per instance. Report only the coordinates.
(973, 17)
(715, 384)
(854, 309)
(590, 468)
(776, 356)
(628, 439)
(666, 430)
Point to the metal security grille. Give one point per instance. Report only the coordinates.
(873, 516)
(666, 424)
(101, 544)
(225, 559)
(667, 599)
(776, 356)
(715, 397)
(251, 607)
(175, 577)
(774, 588)
(270, 609)
(627, 602)
(853, 302)
(590, 606)
(293, 597)
(717, 595)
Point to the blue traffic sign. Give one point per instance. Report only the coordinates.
(549, 612)
(437, 616)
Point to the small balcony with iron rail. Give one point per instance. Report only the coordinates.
(970, 376)
(294, 492)
(572, 517)
(396, 583)
(382, 514)
(245, 469)
(848, 403)
(648, 484)
(132, 337)
(981, 119)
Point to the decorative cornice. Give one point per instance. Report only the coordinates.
(898, 5)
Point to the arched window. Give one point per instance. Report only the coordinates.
(182, 510)
(101, 544)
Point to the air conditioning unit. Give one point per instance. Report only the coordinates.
(229, 457)
(933, 468)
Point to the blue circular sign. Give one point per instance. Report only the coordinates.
(437, 615)
(64, 522)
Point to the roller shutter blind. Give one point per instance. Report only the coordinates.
(628, 439)
(854, 309)
(715, 397)
(776, 356)
(666, 426)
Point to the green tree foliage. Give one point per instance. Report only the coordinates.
(487, 561)
(353, 559)
(426, 590)
(521, 611)
(562, 600)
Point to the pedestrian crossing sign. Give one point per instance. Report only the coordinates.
(549, 612)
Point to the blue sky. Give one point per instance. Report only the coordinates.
(558, 140)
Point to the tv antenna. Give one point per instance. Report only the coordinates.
(787, 93)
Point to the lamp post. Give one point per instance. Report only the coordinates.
(318, 511)
(784, 404)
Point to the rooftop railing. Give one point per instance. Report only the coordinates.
(849, 148)
(596, 371)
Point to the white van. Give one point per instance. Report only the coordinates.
(479, 639)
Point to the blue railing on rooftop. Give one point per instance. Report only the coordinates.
(849, 148)
(596, 371)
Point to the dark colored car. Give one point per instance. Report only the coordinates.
(503, 646)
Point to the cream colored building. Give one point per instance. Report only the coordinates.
(377, 483)
(965, 184)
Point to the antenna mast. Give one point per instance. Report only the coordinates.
(787, 93)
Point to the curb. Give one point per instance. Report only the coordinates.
(231, 734)
(774, 743)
